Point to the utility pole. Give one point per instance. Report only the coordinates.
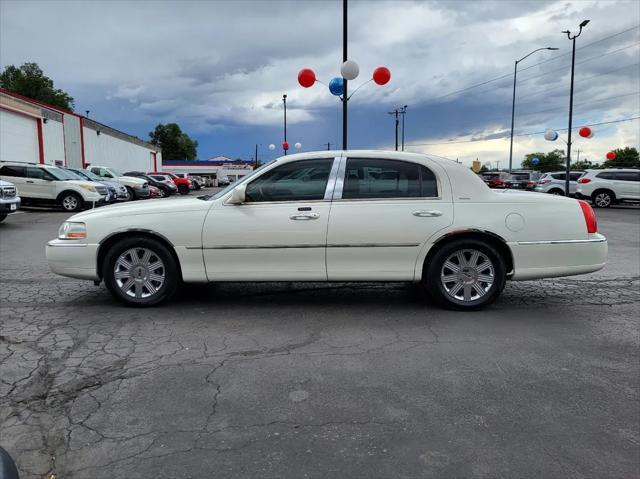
(498, 165)
(328, 146)
(396, 112)
(345, 97)
(256, 157)
(404, 112)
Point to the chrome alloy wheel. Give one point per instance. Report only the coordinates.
(139, 272)
(602, 200)
(467, 275)
(70, 202)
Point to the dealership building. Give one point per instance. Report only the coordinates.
(35, 132)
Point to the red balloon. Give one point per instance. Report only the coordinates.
(306, 77)
(611, 155)
(285, 145)
(381, 75)
(585, 132)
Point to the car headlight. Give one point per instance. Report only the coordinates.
(88, 188)
(71, 230)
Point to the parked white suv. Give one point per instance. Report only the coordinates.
(554, 182)
(9, 199)
(46, 184)
(136, 187)
(610, 186)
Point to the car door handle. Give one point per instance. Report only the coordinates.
(305, 216)
(427, 214)
(28, 181)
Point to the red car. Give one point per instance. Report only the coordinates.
(184, 185)
(495, 179)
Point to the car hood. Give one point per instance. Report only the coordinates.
(148, 207)
(6, 183)
(113, 184)
(82, 182)
(133, 179)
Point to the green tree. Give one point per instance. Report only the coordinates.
(625, 158)
(175, 144)
(552, 161)
(30, 81)
(584, 165)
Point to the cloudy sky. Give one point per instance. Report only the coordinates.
(219, 69)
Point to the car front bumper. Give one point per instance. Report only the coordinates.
(72, 259)
(10, 205)
(548, 259)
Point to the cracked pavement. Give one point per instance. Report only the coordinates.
(319, 380)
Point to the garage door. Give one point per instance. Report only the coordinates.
(18, 138)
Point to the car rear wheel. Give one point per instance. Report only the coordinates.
(465, 275)
(131, 194)
(140, 272)
(183, 189)
(2, 217)
(603, 198)
(71, 202)
(557, 192)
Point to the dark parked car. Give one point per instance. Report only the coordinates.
(523, 180)
(166, 189)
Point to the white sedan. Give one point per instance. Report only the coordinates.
(336, 216)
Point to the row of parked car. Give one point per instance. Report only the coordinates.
(75, 189)
(603, 187)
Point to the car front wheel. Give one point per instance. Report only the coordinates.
(71, 202)
(465, 275)
(140, 272)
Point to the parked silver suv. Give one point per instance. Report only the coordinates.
(554, 182)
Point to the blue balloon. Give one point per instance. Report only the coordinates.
(535, 161)
(336, 86)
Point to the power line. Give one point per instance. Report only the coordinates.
(578, 81)
(588, 102)
(506, 135)
(508, 75)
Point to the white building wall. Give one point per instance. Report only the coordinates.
(18, 137)
(105, 150)
(53, 141)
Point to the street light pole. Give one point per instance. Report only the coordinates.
(513, 101)
(284, 100)
(573, 64)
(396, 112)
(345, 97)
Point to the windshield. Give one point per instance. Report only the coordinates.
(85, 174)
(60, 174)
(244, 179)
(490, 176)
(520, 177)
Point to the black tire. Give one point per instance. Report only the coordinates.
(71, 202)
(557, 192)
(433, 276)
(2, 217)
(131, 193)
(164, 192)
(603, 198)
(183, 189)
(158, 251)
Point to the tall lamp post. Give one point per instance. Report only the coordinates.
(345, 97)
(285, 145)
(573, 65)
(404, 112)
(513, 102)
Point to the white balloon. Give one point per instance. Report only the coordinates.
(349, 70)
(272, 147)
(551, 135)
(298, 146)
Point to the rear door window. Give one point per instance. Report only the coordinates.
(36, 173)
(14, 171)
(371, 178)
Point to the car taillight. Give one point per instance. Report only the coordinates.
(584, 180)
(531, 183)
(589, 217)
(544, 182)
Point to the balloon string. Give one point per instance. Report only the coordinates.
(321, 82)
(354, 91)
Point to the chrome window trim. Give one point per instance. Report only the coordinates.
(546, 242)
(337, 194)
(333, 176)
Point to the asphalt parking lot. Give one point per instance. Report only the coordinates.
(319, 380)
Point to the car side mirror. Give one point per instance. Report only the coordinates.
(238, 195)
